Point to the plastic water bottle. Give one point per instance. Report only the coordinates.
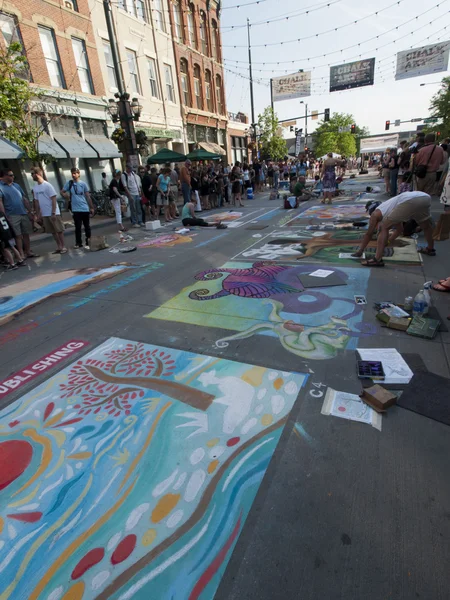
(420, 304)
(426, 288)
(249, 193)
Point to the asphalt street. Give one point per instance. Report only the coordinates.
(344, 511)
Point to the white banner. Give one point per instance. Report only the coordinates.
(378, 143)
(292, 86)
(422, 61)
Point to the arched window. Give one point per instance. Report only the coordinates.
(186, 97)
(215, 40)
(203, 34)
(219, 95)
(208, 91)
(198, 88)
(178, 22)
(191, 27)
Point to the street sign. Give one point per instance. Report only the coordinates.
(397, 122)
(314, 115)
(431, 120)
(416, 120)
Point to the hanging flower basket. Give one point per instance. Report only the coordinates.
(118, 135)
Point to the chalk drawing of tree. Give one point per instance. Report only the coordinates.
(112, 385)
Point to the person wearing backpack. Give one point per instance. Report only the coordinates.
(77, 192)
(116, 194)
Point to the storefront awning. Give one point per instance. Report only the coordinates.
(212, 147)
(46, 145)
(75, 146)
(9, 150)
(104, 147)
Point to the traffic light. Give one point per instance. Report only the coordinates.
(296, 131)
(353, 129)
(326, 114)
(291, 128)
(438, 133)
(388, 124)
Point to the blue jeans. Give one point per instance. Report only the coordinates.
(135, 209)
(186, 191)
(275, 180)
(393, 181)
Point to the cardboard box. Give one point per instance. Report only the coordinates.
(152, 225)
(378, 398)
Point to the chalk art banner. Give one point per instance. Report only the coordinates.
(422, 61)
(352, 75)
(292, 86)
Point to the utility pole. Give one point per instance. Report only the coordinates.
(124, 109)
(271, 93)
(252, 103)
(306, 124)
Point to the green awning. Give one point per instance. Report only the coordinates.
(165, 156)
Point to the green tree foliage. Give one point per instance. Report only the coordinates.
(440, 108)
(16, 120)
(331, 137)
(272, 143)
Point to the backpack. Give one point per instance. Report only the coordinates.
(69, 204)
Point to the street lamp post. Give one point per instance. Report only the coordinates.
(306, 121)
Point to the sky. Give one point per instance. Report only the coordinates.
(399, 26)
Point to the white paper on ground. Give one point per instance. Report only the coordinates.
(321, 273)
(350, 407)
(395, 368)
(349, 255)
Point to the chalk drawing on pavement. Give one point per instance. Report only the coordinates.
(167, 241)
(133, 470)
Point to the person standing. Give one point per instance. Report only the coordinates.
(77, 192)
(47, 209)
(427, 162)
(163, 197)
(132, 186)
(393, 171)
(329, 178)
(386, 172)
(15, 205)
(185, 180)
(105, 184)
(116, 192)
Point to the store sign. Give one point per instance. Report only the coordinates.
(161, 133)
(68, 110)
(422, 61)
(292, 86)
(352, 75)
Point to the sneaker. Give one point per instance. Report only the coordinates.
(87, 247)
(77, 247)
(21, 263)
(141, 224)
(12, 267)
(136, 226)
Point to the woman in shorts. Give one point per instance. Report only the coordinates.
(162, 186)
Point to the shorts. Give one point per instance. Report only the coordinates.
(53, 224)
(162, 200)
(416, 208)
(21, 224)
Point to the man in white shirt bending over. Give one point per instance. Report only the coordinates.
(47, 209)
(394, 212)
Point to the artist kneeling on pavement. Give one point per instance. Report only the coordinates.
(189, 219)
(80, 204)
(393, 213)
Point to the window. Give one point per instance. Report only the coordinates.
(130, 7)
(198, 88)
(159, 15)
(170, 91)
(81, 61)
(9, 29)
(51, 55)
(178, 22)
(72, 4)
(186, 97)
(203, 34)
(153, 78)
(140, 9)
(219, 95)
(214, 40)
(209, 103)
(191, 27)
(112, 79)
(134, 83)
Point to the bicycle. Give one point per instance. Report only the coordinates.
(102, 204)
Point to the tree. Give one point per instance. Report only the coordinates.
(440, 109)
(16, 94)
(272, 143)
(331, 136)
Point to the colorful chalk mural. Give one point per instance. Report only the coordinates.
(335, 211)
(224, 216)
(325, 246)
(267, 298)
(17, 297)
(132, 472)
(167, 241)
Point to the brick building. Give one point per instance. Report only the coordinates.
(197, 45)
(58, 40)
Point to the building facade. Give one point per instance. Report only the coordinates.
(58, 40)
(148, 69)
(238, 138)
(198, 55)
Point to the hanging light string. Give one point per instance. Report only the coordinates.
(243, 5)
(286, 16)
